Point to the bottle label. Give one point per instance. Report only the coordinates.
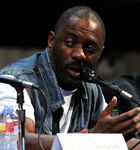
(16, 126)
(2, 127)
(9, 127)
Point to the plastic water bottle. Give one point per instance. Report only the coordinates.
(9, 129)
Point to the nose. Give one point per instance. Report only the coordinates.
(78, 53)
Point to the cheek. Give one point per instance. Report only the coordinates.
(92, 60)
(59, 51)
(62, 59)
(64, 54)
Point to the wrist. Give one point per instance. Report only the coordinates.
(91, 130)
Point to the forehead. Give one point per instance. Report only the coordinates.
(84, 26)
(83, 23)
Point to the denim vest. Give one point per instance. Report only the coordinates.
(88, 99)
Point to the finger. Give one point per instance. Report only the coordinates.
(110, 106)
(132, 116)
(134, 130)
(128, 124)
(129, 134)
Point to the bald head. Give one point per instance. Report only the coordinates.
(83, 12)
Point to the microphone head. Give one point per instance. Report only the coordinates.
(87, 74)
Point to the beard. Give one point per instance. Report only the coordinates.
(64, 80)
(68, 83)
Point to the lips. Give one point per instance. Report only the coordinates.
(74, 71)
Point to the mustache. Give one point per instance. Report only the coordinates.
(80, 65)
(76, 64)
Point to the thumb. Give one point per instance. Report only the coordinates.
(110, 106)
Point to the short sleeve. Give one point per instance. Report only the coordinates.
(8, 97)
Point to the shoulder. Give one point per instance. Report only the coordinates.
(20, 65)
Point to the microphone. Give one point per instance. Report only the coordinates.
(8, 79)
(88, 75)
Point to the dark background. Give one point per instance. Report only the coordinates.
(27, 24)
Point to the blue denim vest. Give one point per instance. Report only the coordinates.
(88, 102)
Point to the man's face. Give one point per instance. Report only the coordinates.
(79, 42)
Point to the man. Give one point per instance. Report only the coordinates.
(69, 105)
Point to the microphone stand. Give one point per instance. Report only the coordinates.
(19, 86)
(21, 116)
(88, 75)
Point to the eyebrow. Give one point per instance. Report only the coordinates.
(92, 42)
(72, 34)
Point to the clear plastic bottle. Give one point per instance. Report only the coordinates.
(9, 129)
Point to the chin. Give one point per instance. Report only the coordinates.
(72, 85)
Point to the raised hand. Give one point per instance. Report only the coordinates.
(127, 123)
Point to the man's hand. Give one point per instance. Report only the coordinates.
(127, 123)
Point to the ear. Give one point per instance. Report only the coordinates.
(103, 47)
(101, 51)
(51, 38)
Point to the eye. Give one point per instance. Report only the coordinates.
(91, 49)
(68, 42)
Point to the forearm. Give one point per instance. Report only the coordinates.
(32, 141)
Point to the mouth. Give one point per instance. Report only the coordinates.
(74, 72)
